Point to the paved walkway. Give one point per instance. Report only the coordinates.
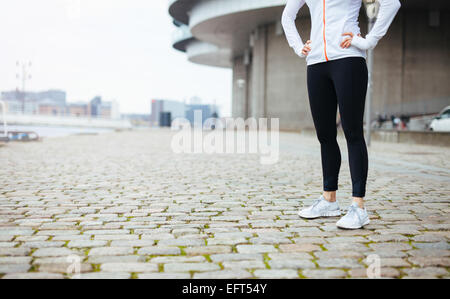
(125, 206)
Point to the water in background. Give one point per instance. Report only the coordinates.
(50, 131)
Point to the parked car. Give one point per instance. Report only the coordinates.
(441, 123)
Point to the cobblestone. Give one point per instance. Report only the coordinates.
(111, 251)
(255, 248)
(427, 272)
(33, 275)
(384, 273)
(51, 252)
(291, 264)
(129, 267)
(105, 275)
(14, 268)
(63, 267)
(128, 207)
(236, 257)
(324, 273)
(165, 275)
(86, 243)
(276, 274)
(338, 263)
(224, 274)
(207, 250)
(252, 264)
(186, 267)
(430, 261)
(159, 250)
(178, 259)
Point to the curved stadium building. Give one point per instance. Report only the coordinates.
(411, 64)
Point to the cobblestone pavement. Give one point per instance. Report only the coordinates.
(127, 207)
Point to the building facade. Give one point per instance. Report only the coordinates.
(53, 103)
(50, 108)
(193, 109)
(46, 102)
(79, 109)
(410, 73)
(163, 112)
(163, 109)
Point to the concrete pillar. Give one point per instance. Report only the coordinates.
(259, 78)
(287, 94)
(240, 83)
(387, 69)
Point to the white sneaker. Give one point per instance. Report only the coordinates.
(321, 208)
(355, 218)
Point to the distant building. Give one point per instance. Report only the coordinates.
(58, 97)
(113, 107)
(205, 110)
(49, 108)
(78, 109)
(106, 110)
(31, 102)
(14, 103)
(53, 102)
(21, 105)
(167, 110)
(95, 106)
(157, 106)
(99, 108)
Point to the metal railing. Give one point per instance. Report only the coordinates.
(85, 116)
(74, 121)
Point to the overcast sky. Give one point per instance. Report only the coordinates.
(119, 49)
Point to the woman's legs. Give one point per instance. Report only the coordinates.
(323, 103)
(350, 80)
(340, 82)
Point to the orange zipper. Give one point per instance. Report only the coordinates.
(324, 40)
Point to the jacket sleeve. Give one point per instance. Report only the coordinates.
(388, 10)
(352, 24)
(288, 22)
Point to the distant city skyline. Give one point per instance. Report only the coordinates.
(114, 48)
(54, 103)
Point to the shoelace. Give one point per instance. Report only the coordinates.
(316, 203)
(352, 210)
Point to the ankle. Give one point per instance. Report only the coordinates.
(330, 196)
(359, 201)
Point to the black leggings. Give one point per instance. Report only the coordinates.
(340, 82)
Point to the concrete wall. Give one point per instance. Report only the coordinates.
(426, 75)
(413, 137)
(411, 74)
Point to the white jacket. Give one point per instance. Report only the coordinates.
(329, 20)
